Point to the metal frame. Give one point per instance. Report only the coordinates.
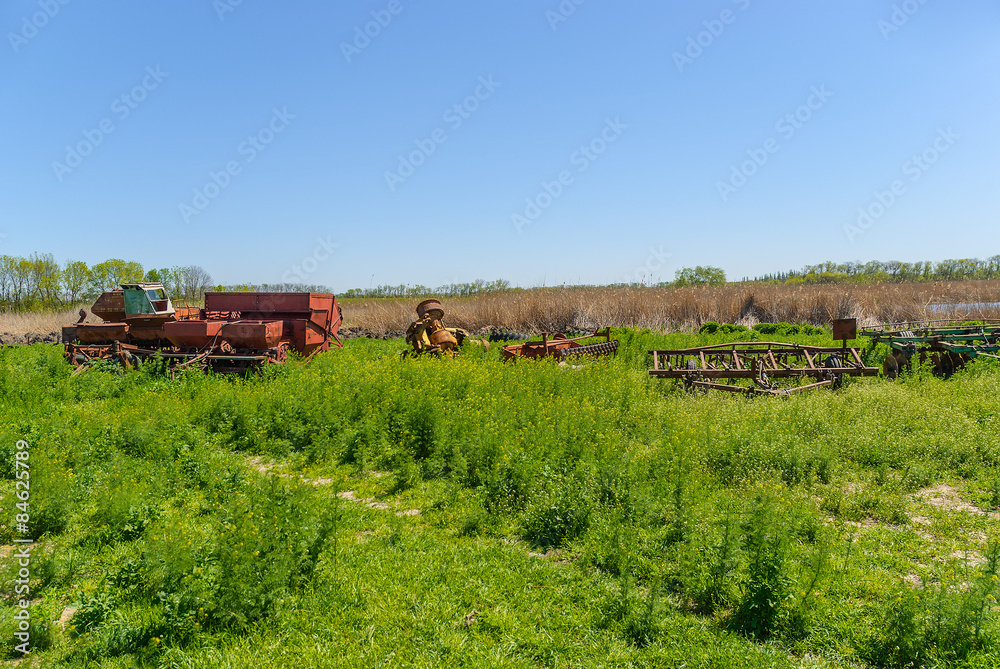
(562, 347)
(942, 336)
(760, 363)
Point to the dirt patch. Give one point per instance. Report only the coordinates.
(371, 503)
(260, 465)
(319, 481)
(409, 512)
(943, 496)
(67, 614)
(971, 558)
(864, 523)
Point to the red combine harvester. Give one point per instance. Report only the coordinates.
(235, 332)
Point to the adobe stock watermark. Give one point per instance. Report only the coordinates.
(22, 582)
(581, 160)
(122, 107)
(363, 35)
(307, 266)
(223, 7)
(249, 149)
(713, 30)
(900, 15)
(654, 263)
(788, 125)
(562, 13)
(31, 25)
(915, 167)
(454, 116)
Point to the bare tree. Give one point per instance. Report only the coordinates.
(194, 281)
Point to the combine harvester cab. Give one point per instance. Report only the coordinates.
(235, 332)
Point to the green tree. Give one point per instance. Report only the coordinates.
(75, 279)
(699, 276)
(45, 279)
(112, 273)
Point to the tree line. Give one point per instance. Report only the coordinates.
(39, 282)
(477, 287)
(892, 271)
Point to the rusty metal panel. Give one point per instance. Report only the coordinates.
(110, 306)
(100, 333)
(253, 334)
(192, 334)
(845, 328)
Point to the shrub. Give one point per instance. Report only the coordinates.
(765, 592)
(559, 509)
(711, 327)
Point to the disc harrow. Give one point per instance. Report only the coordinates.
(948, 344)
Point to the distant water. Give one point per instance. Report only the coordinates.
(965, 306)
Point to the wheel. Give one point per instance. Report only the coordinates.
(833, 362)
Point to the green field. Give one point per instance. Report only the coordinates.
(369, 511)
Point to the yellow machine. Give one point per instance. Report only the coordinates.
(428, 334)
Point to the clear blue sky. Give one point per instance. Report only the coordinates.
(331, 112)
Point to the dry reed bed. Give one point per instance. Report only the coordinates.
(561, 309)
(42, 323)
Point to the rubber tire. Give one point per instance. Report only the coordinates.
(833, 362)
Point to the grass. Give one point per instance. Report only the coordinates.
(567, 517)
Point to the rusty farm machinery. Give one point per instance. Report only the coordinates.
(428, 333)
(561, 347)
(767, 366)
(949, 345)
(764, 368)
(235, 332)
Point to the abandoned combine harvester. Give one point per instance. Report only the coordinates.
(760, 363)
(233, 333)
(948, 344)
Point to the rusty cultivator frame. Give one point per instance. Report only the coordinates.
(760, 363)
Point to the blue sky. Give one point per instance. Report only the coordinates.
(592, 142)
